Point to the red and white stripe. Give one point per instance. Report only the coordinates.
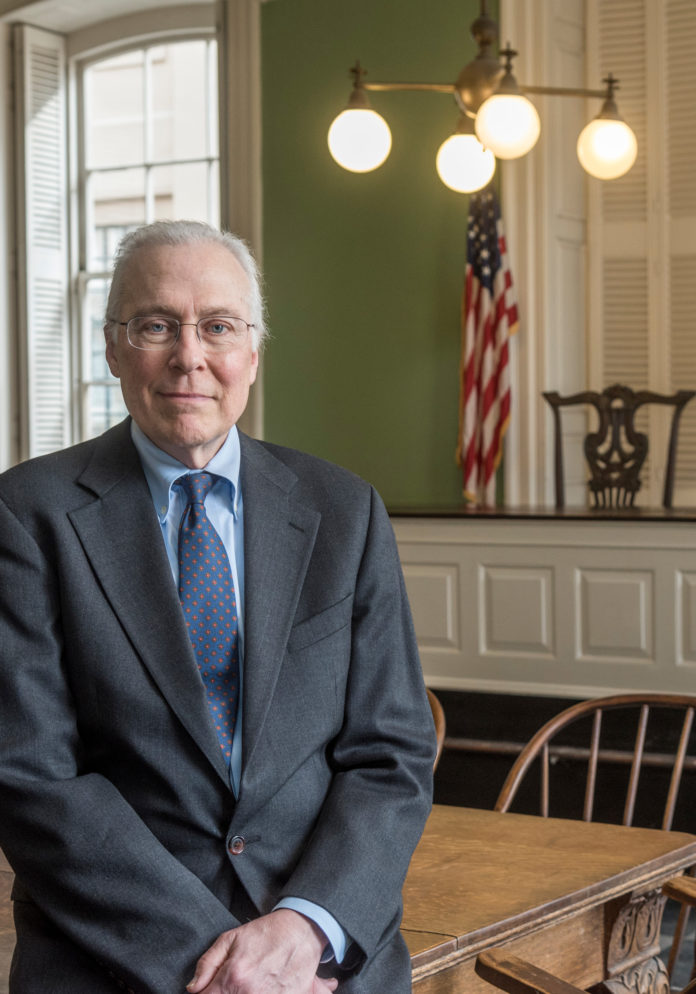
(488, 320)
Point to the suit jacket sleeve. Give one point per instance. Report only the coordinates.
(357, 856)
(81, 852)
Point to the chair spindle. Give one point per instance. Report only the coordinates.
(636, 765)
(592, 767)
(678, 769)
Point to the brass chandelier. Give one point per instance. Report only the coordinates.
(496, 120)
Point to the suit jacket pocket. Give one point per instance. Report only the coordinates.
(322, 625)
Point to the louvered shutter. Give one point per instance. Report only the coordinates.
(680, 143)
(642, 284)
(42, 239)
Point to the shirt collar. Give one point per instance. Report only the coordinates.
(161, 469)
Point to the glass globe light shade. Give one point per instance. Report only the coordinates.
(359, 140)
(463, 164)
(607, 148)
(507, 124)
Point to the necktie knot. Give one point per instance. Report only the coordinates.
(196, 486)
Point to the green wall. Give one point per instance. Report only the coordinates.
(364, 272)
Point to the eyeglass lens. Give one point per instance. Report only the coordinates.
(157, 331)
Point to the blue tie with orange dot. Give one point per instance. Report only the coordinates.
(206, 590)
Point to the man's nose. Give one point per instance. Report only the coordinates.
(188, 351)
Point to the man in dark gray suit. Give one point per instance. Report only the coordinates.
(152, 852)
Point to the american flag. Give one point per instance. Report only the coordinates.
(489, 317)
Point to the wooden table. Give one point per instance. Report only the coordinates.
(580, 900)
(576, 899)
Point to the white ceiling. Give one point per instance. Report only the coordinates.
(71, 15)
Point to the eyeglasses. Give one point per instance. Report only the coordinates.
(156, 332)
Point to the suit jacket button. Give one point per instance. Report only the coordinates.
(236, 845)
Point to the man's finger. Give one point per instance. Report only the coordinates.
(210, 962)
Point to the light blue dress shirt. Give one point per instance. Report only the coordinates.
(225, 508)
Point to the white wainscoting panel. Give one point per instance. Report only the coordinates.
(516, 610)
(685, 621)
(615, 615)
(434, 596)
(544, 604)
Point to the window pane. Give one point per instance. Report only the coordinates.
(180, 102)
(104, 408)
(189, 190)
(115, 200)
(213, 95)
(95, 308)
(103, 403)
(114, 109)
(105, 239)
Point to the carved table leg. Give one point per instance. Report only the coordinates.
(633, 958)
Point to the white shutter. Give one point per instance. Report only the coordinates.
(642, 266)
(680, 143)
(42, 239)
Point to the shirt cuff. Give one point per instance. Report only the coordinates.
(337, 938)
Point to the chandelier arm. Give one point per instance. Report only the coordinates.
(435, 87)
(562, 91)
(555, 91)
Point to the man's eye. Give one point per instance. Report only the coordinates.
(218, 327)
(157, 327)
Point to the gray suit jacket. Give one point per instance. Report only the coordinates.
(129, 850)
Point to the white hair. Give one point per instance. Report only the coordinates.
(187, 233)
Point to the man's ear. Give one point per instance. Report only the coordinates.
(111, 358)
(254, 367)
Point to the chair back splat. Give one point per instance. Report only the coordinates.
(616, 451)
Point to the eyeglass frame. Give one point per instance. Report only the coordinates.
(180, 325)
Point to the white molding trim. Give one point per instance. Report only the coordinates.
(9, 430)
(544, 216)
(136, 29)
(522, 195)
(240, 145)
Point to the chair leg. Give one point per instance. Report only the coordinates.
(677, 938)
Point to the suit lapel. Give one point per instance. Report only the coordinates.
(121, 536)
(279, 538)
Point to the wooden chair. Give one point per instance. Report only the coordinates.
(616, 451)
(677, 708)
(518, 976)
(440, 725)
